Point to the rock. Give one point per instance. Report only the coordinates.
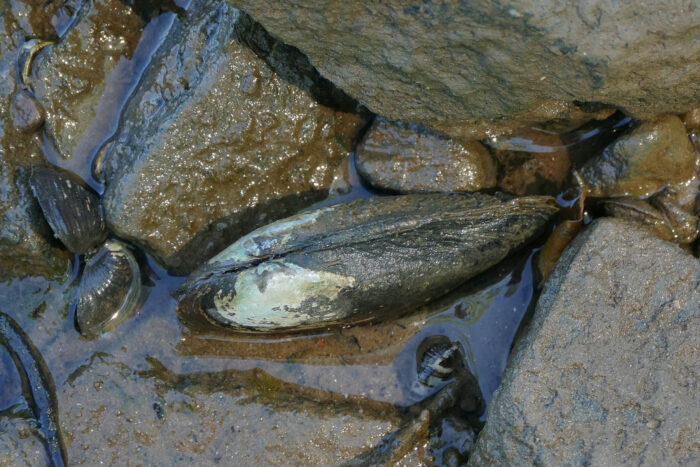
(70, 78)
(607, 370)
(27, 114)
(268, 149)
(45, 20)
(540, 166)
(409, 159)
(24, 249)
(455, 62)
(640, 163)
(692, 119)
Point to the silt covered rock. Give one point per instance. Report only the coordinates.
(24, 249)
(607, 370)
(409, 159)
(214, 144)
(656, 154)
(70, 78)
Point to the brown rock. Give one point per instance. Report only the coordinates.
(27, 114)
(656, 154)
(24, 246)
(532, 162)
(408, 159)
(70, 78)
(215, 144)
(692, 119)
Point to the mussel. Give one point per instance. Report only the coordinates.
(109, 289)
(360, 261)
(72, 211)
(110, 284)
(437, 360)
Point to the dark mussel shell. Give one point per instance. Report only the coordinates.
(437, 359)
(360, 261)
(71, 209)
(109, 290)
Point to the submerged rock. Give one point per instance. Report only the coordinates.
(532, 162)
(215, 144)
(24, 249)
(365, 260)
(44, 19)
(640, 163)
(456, 61)
(27, 114)
(407, 159)
(70, 78)
(606, 372)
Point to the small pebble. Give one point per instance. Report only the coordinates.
(692, 119)
(27, 113)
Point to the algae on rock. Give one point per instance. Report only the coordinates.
(24, 246)
(214, 144)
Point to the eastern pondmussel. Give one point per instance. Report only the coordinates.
(360, 261)
(110, 283)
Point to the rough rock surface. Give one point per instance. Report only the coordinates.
(408, 159)
(215, 144)
(445, 63)
(607, 371)
(656, 154)
(70, 78)
(24, 249)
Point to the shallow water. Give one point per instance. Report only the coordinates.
(371, 366)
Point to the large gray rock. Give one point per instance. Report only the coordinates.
(607, 371)
(450, 62)
(24, 249)
(214, 143)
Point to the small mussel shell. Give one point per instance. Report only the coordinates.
(109, 290)
(72, 210)
(437, 359)
(360, 261)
